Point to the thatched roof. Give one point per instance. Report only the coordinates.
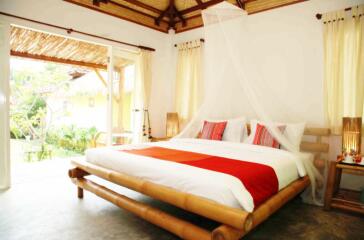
(162, 15)
(49, 47)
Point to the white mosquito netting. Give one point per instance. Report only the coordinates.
(236, 86)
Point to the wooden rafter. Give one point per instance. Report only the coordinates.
(172, 13)
(134, 2)
(131, 9)
(241, 3)
(97, 2)
(181, 19)
(145, 6)
(200, 6)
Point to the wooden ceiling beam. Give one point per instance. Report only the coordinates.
(145, 6)
(179, 15)
(131, 9)
(199, 2)
(57, 60)
(135, 2)
(171, 12)
(160, 17)
(200, 6)
(241, 3)
(97, 2)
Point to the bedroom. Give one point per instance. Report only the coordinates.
(286, 63)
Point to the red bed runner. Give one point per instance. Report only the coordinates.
(260, 180)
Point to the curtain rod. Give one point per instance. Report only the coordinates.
(70, 30)
(319, 15)
(201, 40)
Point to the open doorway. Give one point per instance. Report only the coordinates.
(59, 101)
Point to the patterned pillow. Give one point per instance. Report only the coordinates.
(213, 130)
(264, 138)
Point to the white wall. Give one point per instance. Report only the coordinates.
(68, 15)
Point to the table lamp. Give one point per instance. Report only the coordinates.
(351, 135)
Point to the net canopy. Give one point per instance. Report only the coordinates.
(238, 86)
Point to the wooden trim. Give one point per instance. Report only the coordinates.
(117, 16)
(199, 7)
(278, 6)
(231, 216)
(56, 60)
(245, 2)
(317, 131)
(316, 147)
(145, 6)
(187, 29)
(131, 9)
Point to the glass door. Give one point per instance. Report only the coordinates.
(121, 111)
(4, 105)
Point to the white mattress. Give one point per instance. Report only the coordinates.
(219, 187)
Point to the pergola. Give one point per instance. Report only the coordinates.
(28, 43)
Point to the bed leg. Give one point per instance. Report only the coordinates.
(225, 232)
(79, 192)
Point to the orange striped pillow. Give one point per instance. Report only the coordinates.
(264, 138)
(213, 130)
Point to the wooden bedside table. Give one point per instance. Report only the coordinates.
(343, 198)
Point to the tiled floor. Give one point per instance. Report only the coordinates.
(42, 204)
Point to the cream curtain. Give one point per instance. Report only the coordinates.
(4, 108)
(344, 61)
(143, 83)
(188, 95)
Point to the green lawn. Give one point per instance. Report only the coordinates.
(29, 151)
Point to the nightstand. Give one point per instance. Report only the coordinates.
(337, 197)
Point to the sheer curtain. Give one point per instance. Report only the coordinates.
(143, 83)
(4, 100)
(344, 60)
(189, 92)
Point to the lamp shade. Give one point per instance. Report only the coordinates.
(172, 124)
(351, 136)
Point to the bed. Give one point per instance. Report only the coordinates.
(214, 195)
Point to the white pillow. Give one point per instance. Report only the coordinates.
(293, 132)
(235, 130)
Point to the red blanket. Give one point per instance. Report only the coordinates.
(260, 180)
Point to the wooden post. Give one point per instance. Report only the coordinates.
(79, 192)
(330, 185)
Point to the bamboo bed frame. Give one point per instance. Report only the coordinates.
(235, 223)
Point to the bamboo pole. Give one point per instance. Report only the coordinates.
(183, 229)
(190, 231)
(234, 217)
(263, 211)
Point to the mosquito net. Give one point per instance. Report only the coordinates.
(237, 86)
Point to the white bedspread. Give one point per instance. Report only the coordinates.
(219, 187)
